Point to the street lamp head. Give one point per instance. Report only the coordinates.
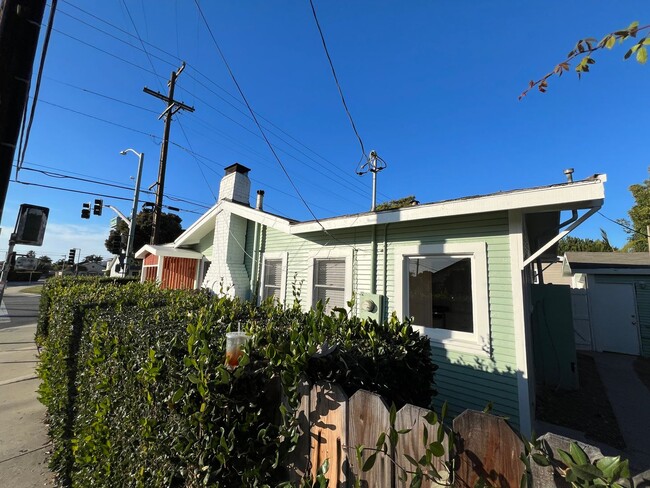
(123, 153)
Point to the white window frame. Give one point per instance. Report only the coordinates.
(274, 256)
(476, 342)
(324, 254)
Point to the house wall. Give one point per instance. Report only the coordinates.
(642, 291)
(464, 380)
(205, 245)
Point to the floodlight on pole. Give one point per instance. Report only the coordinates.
(134, 209)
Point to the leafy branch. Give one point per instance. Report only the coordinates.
(585, 48)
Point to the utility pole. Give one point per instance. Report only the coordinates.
(20, 25)
(172, 107)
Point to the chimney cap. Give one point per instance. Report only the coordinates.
(236, 168)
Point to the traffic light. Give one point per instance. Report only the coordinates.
(97, 208)
(85, 211)
(116, 244)
(71, 255)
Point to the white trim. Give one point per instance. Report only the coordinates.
(284, 257)
(330, 253)
(522, 342)
(476, 342)
(578, 195)
(159, 271)
(167, 251)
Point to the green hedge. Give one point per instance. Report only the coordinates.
(137, 393)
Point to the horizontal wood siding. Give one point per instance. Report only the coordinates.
(179, 273)
(464, 380)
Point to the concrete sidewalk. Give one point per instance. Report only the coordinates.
(24, 444)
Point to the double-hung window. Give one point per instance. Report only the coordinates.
(330, 278)
(273, 279)
(444, 289)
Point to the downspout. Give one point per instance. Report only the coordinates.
(373, 261)
(384, 312)
(255, 258)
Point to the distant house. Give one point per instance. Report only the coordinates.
(461, 268)
(92, 268)
(612, 309)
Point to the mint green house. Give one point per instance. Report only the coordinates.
(461, 268)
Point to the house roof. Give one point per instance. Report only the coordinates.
(583, 194)
(606, 262)
(166, 250)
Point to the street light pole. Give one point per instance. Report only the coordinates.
(134, 209)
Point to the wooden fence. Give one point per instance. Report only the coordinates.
(333, 425)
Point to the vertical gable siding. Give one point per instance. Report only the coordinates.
(179, 273)
(464, 380)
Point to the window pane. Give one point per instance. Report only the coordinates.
(272, 279)
(329, 282)
(440, 292)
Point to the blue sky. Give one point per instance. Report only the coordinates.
(432, 86)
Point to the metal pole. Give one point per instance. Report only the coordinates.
(134, 211)
(647, 231)
(373, 170)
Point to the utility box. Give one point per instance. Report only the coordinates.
(371, 306)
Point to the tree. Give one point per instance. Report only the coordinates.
(639, 214)
(586, 47)
(170, 229)
(578, 244)
(93, 258)
(44, 263)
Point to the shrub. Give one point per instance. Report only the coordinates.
(137, 392)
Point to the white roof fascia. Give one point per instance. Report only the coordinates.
(258, 216)
(167, 251)
(582, 194)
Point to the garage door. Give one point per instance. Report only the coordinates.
(614, 320)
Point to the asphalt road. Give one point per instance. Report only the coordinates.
(23, 435)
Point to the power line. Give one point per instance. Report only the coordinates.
(81, 192)
(51, 174)
(338, 85)
(630, 229)
(143, 49)
(241, 93)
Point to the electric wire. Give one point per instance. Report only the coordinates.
(629, 229)
(37, 87)
(361, 188)
(336, 80)
(81, 192)
(51, 174)
(241, 93)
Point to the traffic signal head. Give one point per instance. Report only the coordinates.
(71, 256)
(97, 208)
(85, 211)
(116, 244)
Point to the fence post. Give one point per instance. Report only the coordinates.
(368, 418)
(298, 462)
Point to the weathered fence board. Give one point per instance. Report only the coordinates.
(368, 418)
(298, 465)
(328, 419)
(412, 417)
(487, 448)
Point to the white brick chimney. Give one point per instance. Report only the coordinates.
(227, 273)
(235, 185)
